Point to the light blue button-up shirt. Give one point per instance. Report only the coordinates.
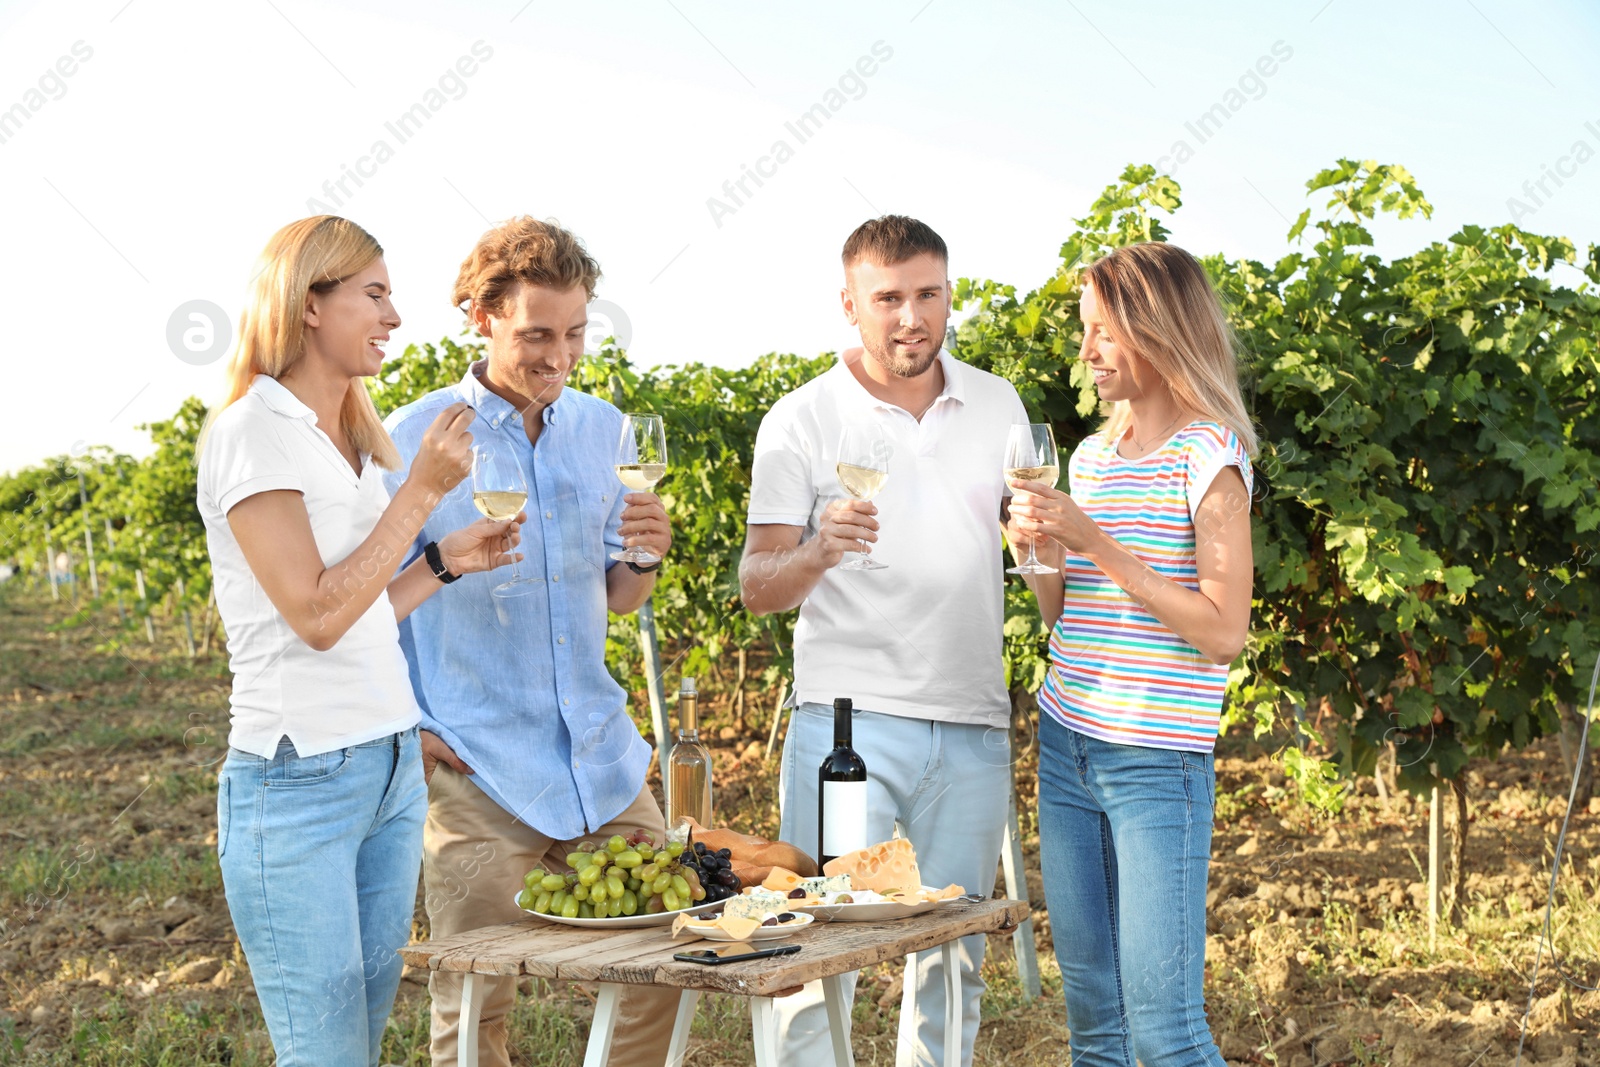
(519, 688)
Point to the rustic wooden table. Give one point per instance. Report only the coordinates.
(615, 958)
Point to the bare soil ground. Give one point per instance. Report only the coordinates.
(116, 947)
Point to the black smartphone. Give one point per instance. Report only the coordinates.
(733, 953)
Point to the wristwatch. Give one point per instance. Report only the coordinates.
(648, 568)
(440, 571)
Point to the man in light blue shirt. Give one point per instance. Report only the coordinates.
(527, 741)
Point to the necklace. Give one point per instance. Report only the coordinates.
(1160, 435)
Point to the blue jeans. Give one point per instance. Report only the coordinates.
(1125, 843)
(945, 785)
(320, 857)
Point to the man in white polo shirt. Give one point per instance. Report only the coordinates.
(917, 644)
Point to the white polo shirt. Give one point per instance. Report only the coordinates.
(921, 638)
(359, 689)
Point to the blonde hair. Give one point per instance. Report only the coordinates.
(1160, 306)
(521, 250)
(312, 255)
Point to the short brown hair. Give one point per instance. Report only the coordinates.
(893, 239)
(522, 250)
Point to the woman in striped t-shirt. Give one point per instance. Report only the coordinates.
(1151, 606)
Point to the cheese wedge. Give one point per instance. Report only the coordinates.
(888, 865)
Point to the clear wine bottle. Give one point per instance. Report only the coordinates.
(689, 765)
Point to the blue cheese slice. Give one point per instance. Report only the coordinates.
(818, 887)
(756, 904)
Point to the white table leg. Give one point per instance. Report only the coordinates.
(950, 953)
(833, 995)
(679, 1045)
(605, 1021)
(467, 1022)
(906, 1036)
(764, 1031)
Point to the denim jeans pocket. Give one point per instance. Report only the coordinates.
(1200, 780)
(288, 769)
(222, 816)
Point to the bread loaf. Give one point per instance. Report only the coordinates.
(752, 851)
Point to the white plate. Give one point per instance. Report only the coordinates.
(620, 922)
(873, 912)
(760, 933)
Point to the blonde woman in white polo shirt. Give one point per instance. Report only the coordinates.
(321, 801)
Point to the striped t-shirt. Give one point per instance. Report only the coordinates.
(1116, 671)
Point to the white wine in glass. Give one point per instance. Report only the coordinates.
(863, 471)
(641, 463)
(499, 490)
(1031, 456)
(499, 504)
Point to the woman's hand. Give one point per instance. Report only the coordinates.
(483, 546)
(445, 456)
(1041, 511)
(1045, 550)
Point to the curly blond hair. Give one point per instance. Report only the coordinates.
(522, 250)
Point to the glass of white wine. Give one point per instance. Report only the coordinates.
(863, 471)
(499, 490)
(1031, 456)
(641, 463)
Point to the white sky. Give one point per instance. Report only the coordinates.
(153, 174)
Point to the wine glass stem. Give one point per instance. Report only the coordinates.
(1033, 560)
(862, 551)
(516, 567)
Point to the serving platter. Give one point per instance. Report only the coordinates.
(760, 933)
(873, 911)
(620, 922)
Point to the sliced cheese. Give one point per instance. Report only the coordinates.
(781, 880)
(889, 865)
(732, 925)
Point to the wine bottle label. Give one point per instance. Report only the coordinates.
(844, 817)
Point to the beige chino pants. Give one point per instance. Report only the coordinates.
(474, 856)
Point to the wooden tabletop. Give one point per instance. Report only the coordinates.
(542, 949)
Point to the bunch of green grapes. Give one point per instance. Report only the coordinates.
(625, 876)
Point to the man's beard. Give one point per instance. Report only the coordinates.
(903, 366)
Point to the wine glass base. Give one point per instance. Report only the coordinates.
(863, 564)
(635, 555)
(515, 588)
(1031, 568)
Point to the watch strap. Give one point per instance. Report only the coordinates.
(440, 571)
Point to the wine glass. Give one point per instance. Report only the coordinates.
(641, 463)
(499, 490)
(1031, 457)
(863, 471)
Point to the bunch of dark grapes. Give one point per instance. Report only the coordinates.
(715, 867)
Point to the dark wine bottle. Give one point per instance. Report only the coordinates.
(841, 792)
